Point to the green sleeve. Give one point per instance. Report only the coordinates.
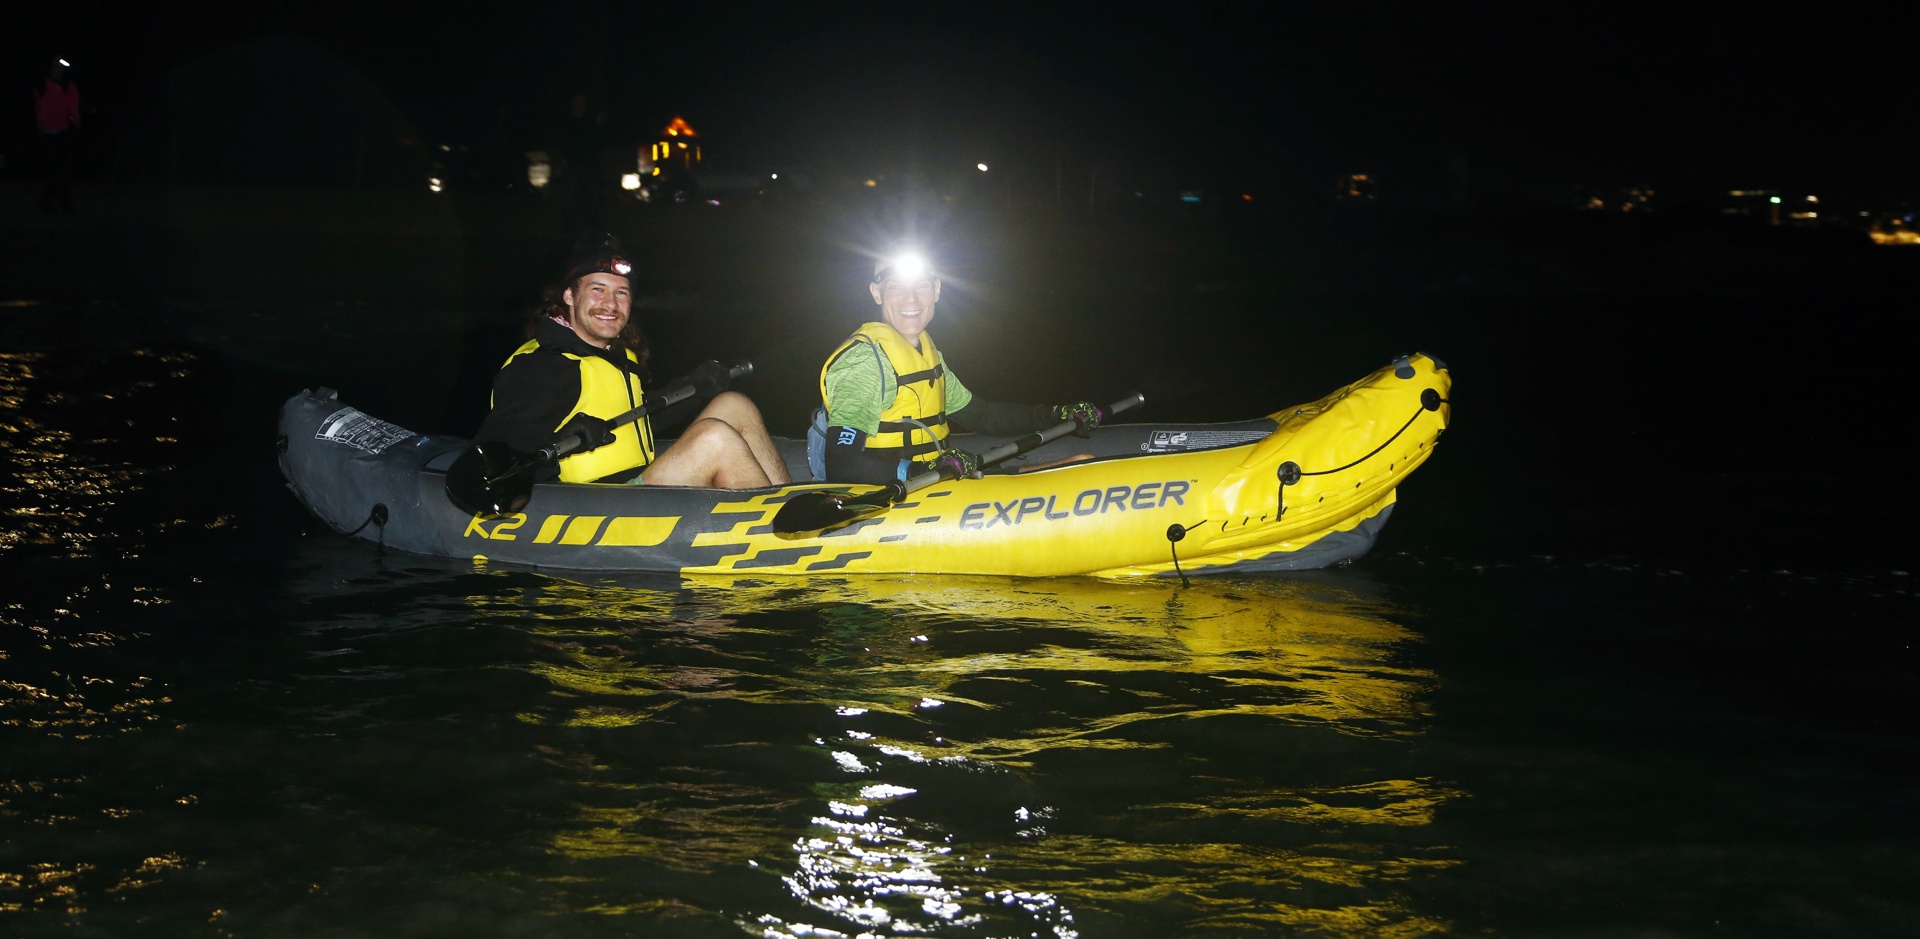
(857, 389)
(957, 394)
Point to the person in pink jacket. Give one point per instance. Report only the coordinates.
(56, 106)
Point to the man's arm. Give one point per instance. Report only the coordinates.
(531, 396)
(993, 418)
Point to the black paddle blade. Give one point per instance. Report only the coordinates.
(491, 478)
(812, 511)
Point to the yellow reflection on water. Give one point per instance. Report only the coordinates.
(946, 682)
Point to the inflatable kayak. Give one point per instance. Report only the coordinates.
(1303, 487)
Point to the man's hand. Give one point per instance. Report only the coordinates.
(709, 378)
(952, 463)
(594, 432)
(1084, 414)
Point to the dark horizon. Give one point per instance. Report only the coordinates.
(1233, 94)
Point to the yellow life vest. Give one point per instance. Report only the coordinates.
(917, 416)
(606, 391)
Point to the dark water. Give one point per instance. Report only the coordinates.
(1634, 658)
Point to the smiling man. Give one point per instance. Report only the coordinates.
(582, 364)
(889, 396)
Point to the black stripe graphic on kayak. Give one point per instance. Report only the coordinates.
(852, 527)
(777, 557)
(838, 561)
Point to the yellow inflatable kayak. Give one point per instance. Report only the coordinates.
(1304, 487)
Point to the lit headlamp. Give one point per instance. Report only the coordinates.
(611, 264)
(906, 266)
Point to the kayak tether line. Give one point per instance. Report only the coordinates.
(1175, 532)
(377, 518)
(1290, 473)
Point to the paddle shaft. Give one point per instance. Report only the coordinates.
(1017, 446)
(648, 405)
(816, 510)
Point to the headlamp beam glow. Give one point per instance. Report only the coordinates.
(906, 266)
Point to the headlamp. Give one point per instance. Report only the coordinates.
(906, 266)
(614, 264)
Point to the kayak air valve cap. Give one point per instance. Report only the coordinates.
(1403, 367)
(1289, 473)
(1430, 399)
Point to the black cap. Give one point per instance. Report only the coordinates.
(598, 253)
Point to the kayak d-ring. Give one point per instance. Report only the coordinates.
(377, 518)
(1289, 473)
(1177, 532)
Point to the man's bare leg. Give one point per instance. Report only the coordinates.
(710, 453)
(739, 411)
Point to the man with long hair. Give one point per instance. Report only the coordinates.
(582, 364)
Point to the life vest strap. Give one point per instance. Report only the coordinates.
(925, 374)
(901, 427)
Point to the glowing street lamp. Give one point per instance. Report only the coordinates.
(982, 167)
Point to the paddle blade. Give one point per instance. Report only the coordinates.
(812, 511)
(491, 478)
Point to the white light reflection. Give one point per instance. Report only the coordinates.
(867, 875)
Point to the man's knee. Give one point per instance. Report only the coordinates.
(712, 435)
(732, 407)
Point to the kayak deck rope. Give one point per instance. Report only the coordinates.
(1290, 472)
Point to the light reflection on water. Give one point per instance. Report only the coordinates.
(951, 723)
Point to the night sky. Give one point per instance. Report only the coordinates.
(1813, 98)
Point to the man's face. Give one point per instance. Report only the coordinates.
(597, 307)
(906, 303)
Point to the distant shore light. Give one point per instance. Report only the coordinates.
(982, 167)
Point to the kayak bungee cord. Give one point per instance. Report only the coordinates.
(1290, 472)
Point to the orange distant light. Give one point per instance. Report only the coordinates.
(679, 128)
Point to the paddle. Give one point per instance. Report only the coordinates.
(494, 478)
(812, 511)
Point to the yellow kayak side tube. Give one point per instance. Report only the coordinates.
(1114, 518)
